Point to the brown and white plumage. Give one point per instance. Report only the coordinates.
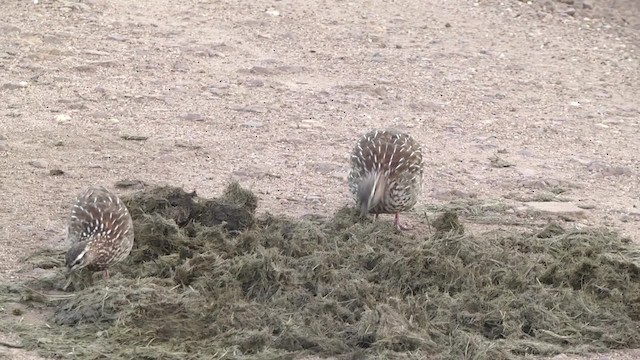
(386, 173)
(100, 230)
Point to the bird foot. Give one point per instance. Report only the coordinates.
(106, 274)
(399, 226)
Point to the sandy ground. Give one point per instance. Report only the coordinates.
(275, 93)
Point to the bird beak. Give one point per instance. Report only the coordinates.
(364, 208)
(369, 193)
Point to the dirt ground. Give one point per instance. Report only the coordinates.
(513, 101)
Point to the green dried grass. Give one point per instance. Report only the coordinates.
(285, 288)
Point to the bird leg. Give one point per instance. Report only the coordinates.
(375, 217)
(400, 226)
(106, 273)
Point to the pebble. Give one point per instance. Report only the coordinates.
(498, 162)
(181, 66)
(52, 39)
(63, 118)
(524, 171)
(105, 63)
(259, 70)
(253, 124)
(273, 12)
(216, 92)
(40, 164)
(117, 37)
(250, 109)
(558, 208)
(254, 173)
(78, 6)
(581, 160)
(14, 86)
(99, 115)
(612, 122)
(451, 194)
(85, 68)
(130, 184)
(327, 167)
(96, 52)
(187, 145)
(213, 53)
(134, 137)
(8, 29)
(608, 170)
(539, 183)
(307, 124)
(254, 83)
(193, 117)
(587, 205)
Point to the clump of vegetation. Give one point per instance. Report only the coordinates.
(209, 279)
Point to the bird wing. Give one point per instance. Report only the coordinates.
(95, 211)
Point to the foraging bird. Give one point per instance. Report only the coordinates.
(100, 230)
(386, 173)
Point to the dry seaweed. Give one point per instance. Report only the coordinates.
(224, 284)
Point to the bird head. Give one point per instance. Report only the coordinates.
(370, 191)
(78, 256)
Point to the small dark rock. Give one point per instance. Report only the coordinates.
(56, 172)
(134, 137)
(187, 145)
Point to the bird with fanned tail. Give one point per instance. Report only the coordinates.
(100, 230)
(386, 173)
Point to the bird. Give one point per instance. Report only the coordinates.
(386, 171)
(100, 231)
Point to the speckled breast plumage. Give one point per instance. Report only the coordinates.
(399, 157)
(99, 218)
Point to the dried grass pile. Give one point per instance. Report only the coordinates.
(209, 280)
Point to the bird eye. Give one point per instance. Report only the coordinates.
(77, 262)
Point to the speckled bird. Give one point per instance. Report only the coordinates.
(100, 231)
(386, 173)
